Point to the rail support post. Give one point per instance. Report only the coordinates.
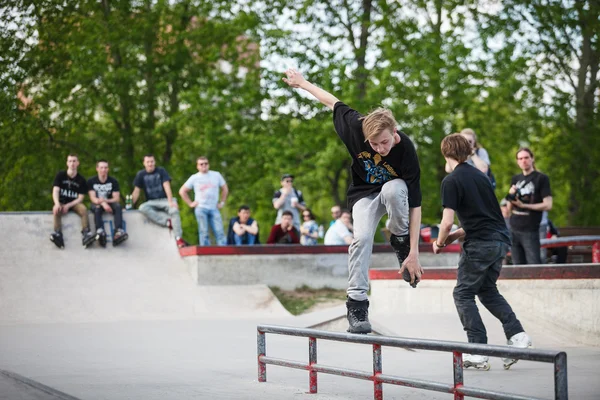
(377, 368)
(457, 362)
(312, 360)
(561, 386)
(261, 346)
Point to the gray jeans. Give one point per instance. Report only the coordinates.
(393, 200)
(159, 211)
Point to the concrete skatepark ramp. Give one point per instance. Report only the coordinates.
(131, 322)
(142, 279)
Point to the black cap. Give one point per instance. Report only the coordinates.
(287, 176)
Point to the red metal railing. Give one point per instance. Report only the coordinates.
(458, 389)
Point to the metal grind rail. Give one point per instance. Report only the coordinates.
(558, 358)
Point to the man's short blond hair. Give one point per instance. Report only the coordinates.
(377, 121)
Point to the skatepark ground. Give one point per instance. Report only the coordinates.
(130, 323)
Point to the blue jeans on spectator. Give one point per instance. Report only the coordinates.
(210, 218)
(525, 247)
(246, 237)
(478, 270)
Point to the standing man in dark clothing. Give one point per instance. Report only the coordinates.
(386, 178)
(105, 196)
(468, 192)
(529, 196)
(69, 189)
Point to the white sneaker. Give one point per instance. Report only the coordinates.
(476, 361)
(520, 340)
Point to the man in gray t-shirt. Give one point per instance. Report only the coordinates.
(289, 199)
(160, 206)
(206, 185)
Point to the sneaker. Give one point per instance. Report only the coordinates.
(520, 340)
(401, 246)
(358, 316)
(476, 361)
(181, 243)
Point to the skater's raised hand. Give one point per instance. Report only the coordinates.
(294, 78)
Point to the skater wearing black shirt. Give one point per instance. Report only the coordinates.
(468, 192)
(105, 197)
(385, 179)
(68, 191)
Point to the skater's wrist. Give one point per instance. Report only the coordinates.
(440, 245)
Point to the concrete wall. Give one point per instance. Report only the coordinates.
(570, 307)
(291, 271)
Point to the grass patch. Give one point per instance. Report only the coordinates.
(299, 300)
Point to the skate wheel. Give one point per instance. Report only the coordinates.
(486, 367)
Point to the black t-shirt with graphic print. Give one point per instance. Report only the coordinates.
(103, 190)
(469, 192)
(70, 188)
(533, 187)
(152, 183)
(370, 170)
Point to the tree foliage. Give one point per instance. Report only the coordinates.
(118, 79)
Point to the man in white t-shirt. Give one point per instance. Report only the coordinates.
(339, 233)
(207, 185)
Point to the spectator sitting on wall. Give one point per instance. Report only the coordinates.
(285, 232)
(243, 229)
(340, 232)
(336, 212)
(309, 229)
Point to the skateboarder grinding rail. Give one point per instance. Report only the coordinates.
(385, 179)
(468, 192)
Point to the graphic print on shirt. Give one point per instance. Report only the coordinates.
(203, 189)
(103, 190)
(153, 184)
(67, 192)
(378, 171)
(527, 189)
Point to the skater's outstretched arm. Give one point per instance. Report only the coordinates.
(296, 80)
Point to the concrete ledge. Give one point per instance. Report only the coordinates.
(289, 271)
(543, 271)
(568, 308)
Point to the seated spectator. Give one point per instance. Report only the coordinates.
(336, 211)
(340, 233)
(309, 229)
(558, 255)
(243, 229)
(285, 232)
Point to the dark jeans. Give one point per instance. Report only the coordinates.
(478, 270)
(117, 212)
(525, 247)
